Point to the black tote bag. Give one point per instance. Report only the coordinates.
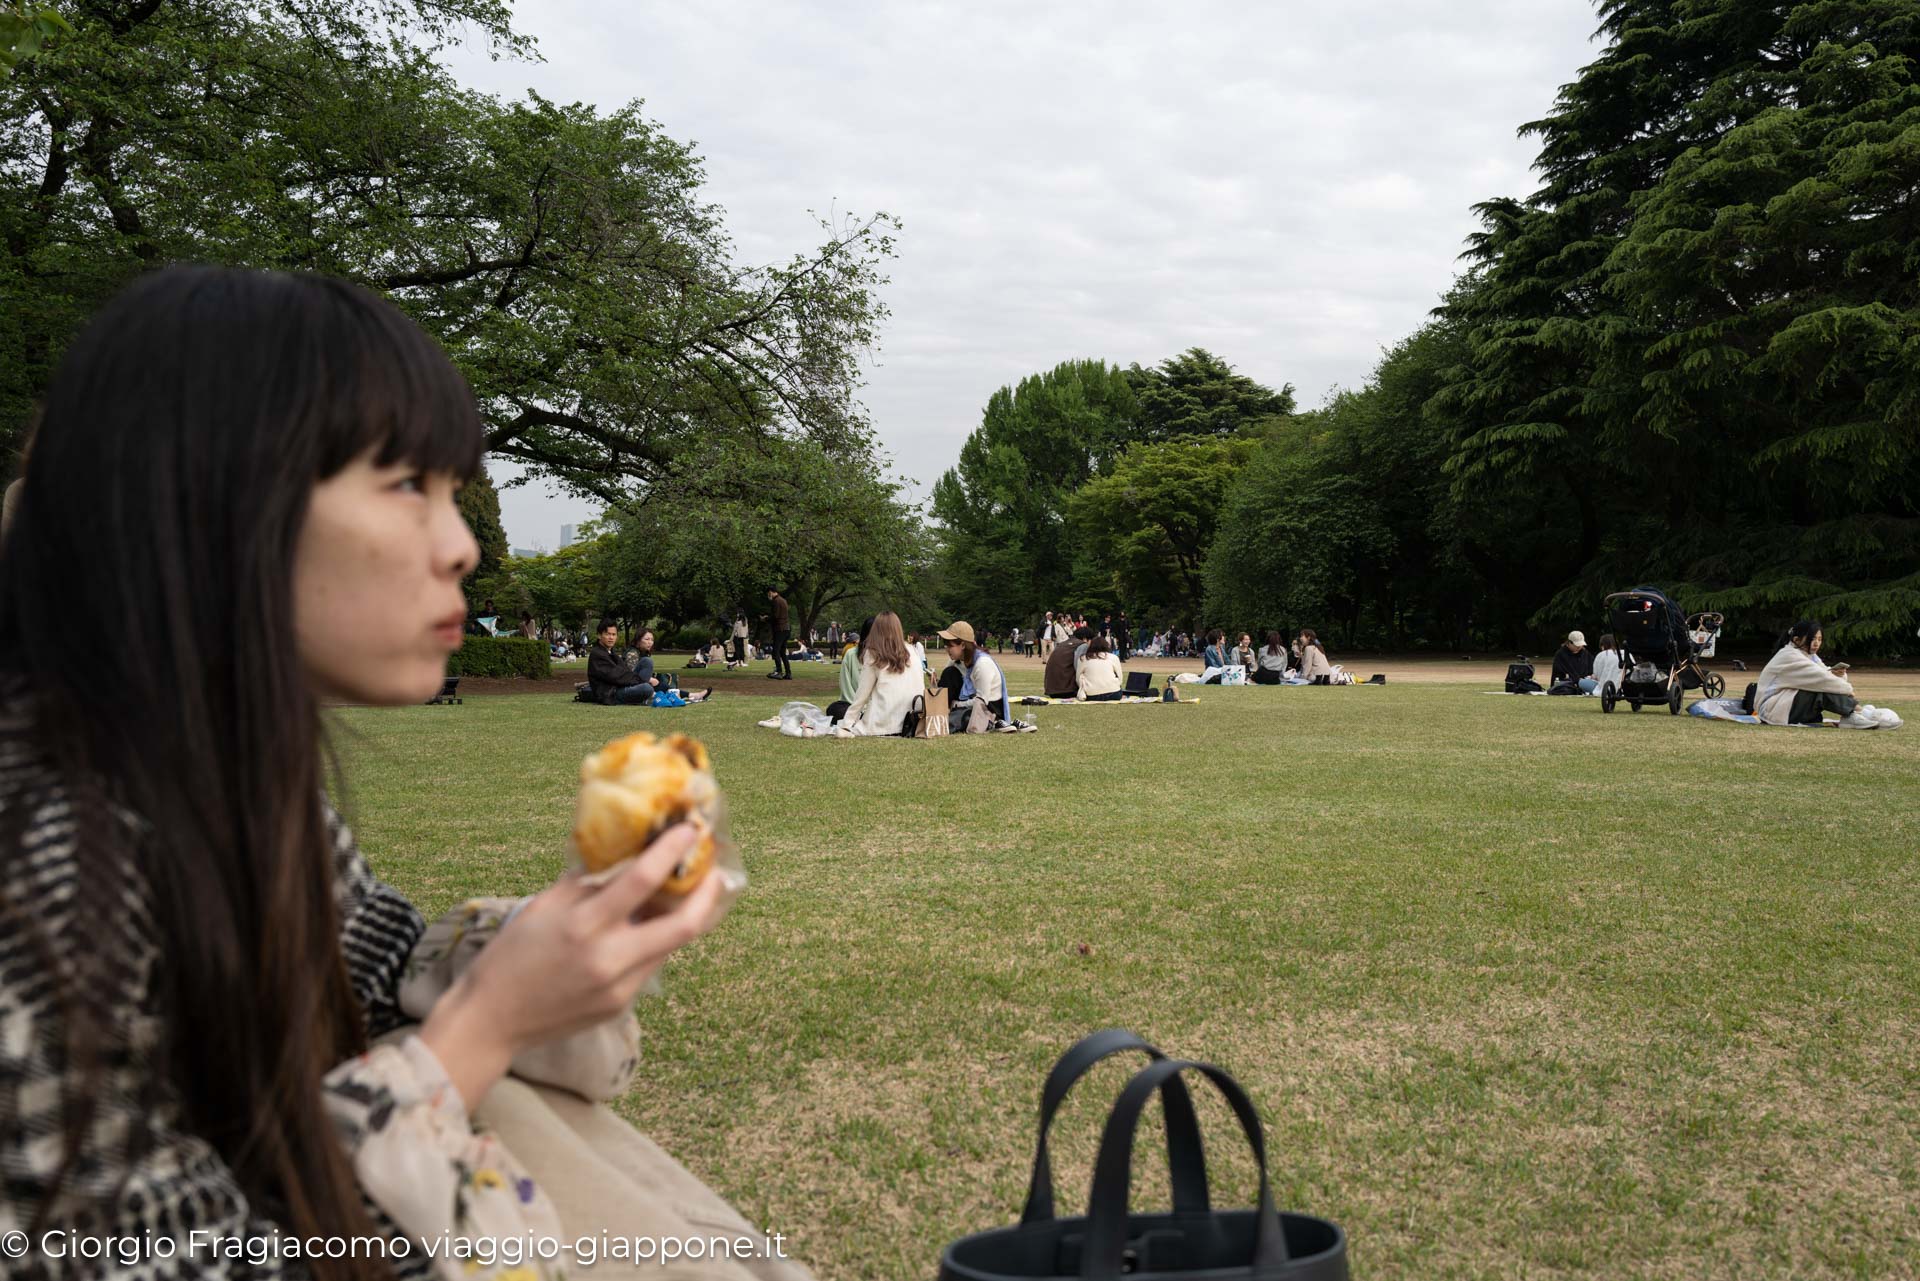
(1193, 1242)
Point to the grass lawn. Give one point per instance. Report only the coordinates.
(1522, 990)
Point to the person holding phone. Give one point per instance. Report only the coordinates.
(1797, 688)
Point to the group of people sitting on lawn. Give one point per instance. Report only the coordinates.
(1795, 688)
(611, 680)
(1087, 668)
(883, 671)
(1304, 661)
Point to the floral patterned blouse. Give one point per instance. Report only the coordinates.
(427, 1173)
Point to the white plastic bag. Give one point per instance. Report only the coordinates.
(804, 720)
(1233, 674)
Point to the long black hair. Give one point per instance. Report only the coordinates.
(1801, 634)
(179, 446)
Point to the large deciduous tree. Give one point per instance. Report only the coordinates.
(564, 257)
(824, 528)
(1002, 508)
(1151, 519)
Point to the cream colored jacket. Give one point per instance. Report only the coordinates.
(1788, 672)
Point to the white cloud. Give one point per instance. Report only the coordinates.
(1287, 186)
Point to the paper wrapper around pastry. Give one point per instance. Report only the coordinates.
(634, 789)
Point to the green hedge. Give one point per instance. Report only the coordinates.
(501, 656)
(697, 636)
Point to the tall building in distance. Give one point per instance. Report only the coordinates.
(566, 535)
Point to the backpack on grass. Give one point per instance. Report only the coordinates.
(1520, 678)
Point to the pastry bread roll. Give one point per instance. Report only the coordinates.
(635, 788)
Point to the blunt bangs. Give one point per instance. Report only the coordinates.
(409, 404)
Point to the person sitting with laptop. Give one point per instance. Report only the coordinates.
(1100, 674)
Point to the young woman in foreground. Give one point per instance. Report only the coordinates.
(260, 471)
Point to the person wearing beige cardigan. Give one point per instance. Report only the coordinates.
(889, 682)
(1101, 679)
(1313, 659)
(1795, 687)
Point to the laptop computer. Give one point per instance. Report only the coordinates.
(1139, 683)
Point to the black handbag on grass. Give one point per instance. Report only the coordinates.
(1193, 1242)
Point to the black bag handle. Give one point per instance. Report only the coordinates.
(1184, 1154)
(1106, 1243)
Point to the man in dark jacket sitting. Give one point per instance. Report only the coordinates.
(1574, 663)
(608, 675)
(613, 681)
(1062, 676)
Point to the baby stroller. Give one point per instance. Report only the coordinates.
(1660, 651)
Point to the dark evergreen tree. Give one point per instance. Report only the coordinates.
(1198, 394)
(1701, 338)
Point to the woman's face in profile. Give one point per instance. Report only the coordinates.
(376, 585)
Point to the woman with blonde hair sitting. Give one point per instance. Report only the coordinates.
(889, 682)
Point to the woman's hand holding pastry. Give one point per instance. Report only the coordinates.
(572, 957)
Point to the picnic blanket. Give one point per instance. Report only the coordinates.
(804, 720)
(1721, 709)
(1035, 700)
(1728, 709)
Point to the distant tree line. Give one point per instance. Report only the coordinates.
(1691, 359)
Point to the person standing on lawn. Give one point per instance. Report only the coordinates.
(782, 665)
(739, 640)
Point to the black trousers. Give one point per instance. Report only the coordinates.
(1265, 676)
(739, 649)
(951, 681)
(1807, 706)
(781, 664)
(958, 713)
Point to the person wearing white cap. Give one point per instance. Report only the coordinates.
(976, 689)
(1574, 663)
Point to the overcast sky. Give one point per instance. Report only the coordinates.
(1287, 185)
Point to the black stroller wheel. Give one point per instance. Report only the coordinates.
(1609, 697)
(1673, 699)
(1713, 685)
(1634, 703)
